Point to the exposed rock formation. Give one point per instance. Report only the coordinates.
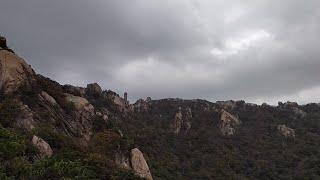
(84, 111)
(94, 89)
(177, 122)
(77, 91)
(48, 98)
(81, 104)
(43, 147)
(286, 131)
(181, 121)
(139, 164)
(227, 104)
(142, 105)
(228, 123)
(14, 72)
(115, 99)
(294, 107)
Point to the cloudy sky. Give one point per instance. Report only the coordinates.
(255, 50)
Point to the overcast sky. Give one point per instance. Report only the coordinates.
(254, 50)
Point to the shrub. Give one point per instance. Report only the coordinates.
(56, 139)
(52, 168)
(11, 145)
(106, 142)
(9, 110)
(121, 174)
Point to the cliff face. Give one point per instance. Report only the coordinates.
(91, 133)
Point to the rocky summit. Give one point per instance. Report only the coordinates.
(54, 131)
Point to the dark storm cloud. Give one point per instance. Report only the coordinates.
(253, 50)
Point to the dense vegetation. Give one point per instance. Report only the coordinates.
(20, 159)
(256, 151)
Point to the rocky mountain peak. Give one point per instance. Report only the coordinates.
(14, 72)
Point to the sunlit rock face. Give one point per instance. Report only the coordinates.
(14, 72)
(286, 131)
(181, 121)
(228, 123)
(139, 164)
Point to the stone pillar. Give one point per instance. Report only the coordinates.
(125, 96)
(3, 42)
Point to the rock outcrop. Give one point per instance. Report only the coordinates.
(81, 104)
(142, 105)
(45, 96)
(228, 123)
(294, 107)
(77, 91)
(42, 146)
(83, 112)
(139, 164)
(94, 89)
(286, 131)
(116, 99)
(14, 72)
(177, 122)
(181, 121)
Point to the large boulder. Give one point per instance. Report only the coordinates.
(228, 123)
(46, 97)
(77, 91)
(94, 89)
(42, 146)
(14, 72)
(81, 104)
(139, 164)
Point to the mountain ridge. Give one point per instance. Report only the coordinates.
(64, 131)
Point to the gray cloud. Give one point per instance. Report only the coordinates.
(252, 50)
